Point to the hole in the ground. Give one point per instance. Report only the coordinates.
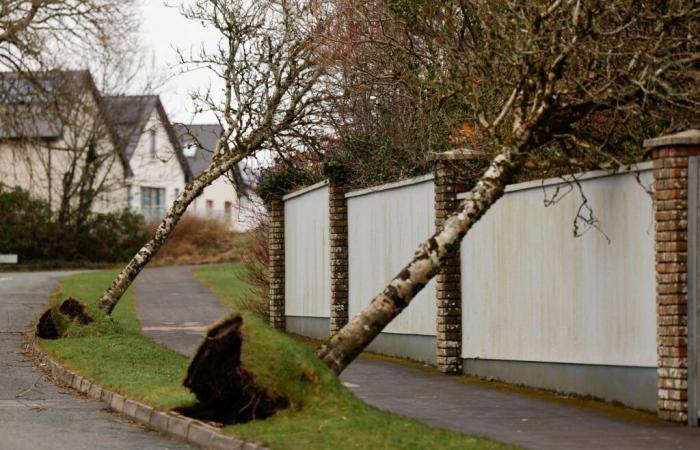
(226, 391)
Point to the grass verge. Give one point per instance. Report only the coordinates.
(323, 413)
(113, 352)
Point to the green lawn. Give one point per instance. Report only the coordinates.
(323, 413)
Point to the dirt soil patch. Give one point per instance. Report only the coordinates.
(46, 327)
(52, 324)
(76, 311)
(225, 390)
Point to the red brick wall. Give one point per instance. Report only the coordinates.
(448, 286)
(671, 216)
(275, 242)
(338, 237)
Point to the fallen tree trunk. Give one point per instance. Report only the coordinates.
(123, 280)
(344, 346)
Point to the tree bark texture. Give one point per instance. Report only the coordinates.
(344, 346)
(121, 283)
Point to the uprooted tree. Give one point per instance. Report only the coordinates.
(551, 84)
(566, 83)
(269, 63)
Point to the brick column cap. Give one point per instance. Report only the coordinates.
(457, 154)
(688, 137)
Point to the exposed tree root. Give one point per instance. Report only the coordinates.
(49, 327)
(46, 327)
(76, 311)
(226, 391)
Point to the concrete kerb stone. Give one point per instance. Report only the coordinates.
(117, 402)
(85, 385)
(220, 442)
(106, 396)
(199, 435)
(77, 382)
(178, 427)
(143, 413)
(189, 430)
(159, 420)
(95, 392)
(130, 408)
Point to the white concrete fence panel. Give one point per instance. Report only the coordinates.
(385, 225)
(533, 292)
(307, 269)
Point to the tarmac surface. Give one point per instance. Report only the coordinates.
(35, 413)
(176, 309)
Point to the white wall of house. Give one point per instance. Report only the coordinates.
(218, 201)
(39, 166)
(160, 170)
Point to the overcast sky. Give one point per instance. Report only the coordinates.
(164, 28)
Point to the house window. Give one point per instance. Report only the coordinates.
(153, 143)
(177, 192)
(227, 213)
(210, 207)
(152, 203)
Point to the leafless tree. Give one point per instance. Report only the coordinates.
(53, 122)
(547, 83)
(270, 65)
(45, 34)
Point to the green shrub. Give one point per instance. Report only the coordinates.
(29, 230)
(25, 227)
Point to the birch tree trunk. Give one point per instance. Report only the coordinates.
(344, 346)
(121, 283)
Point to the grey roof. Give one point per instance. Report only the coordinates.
(204, 138)
(129, 114)
(26, 121)
(31, 102)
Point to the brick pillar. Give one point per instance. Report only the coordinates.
(670, 155)
(338, 233)
(449, 181)
(275, 242)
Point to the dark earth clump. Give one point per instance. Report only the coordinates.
(46, 327)
(226, 391)
(76, 311)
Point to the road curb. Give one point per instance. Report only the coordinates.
(170, 424)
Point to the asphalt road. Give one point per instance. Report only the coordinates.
(171, 298)
(174, 308)
(35, 413)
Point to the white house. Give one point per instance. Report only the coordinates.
(220, 200)
(52, 127)
(144, 168)
(159, 170)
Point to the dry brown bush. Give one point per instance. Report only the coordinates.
(197, 240)
(256, 275)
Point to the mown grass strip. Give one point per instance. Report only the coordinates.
(114, 353)
(330, 416)
(323, 413)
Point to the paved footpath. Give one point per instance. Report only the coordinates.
(425, 395)
(35, 413)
